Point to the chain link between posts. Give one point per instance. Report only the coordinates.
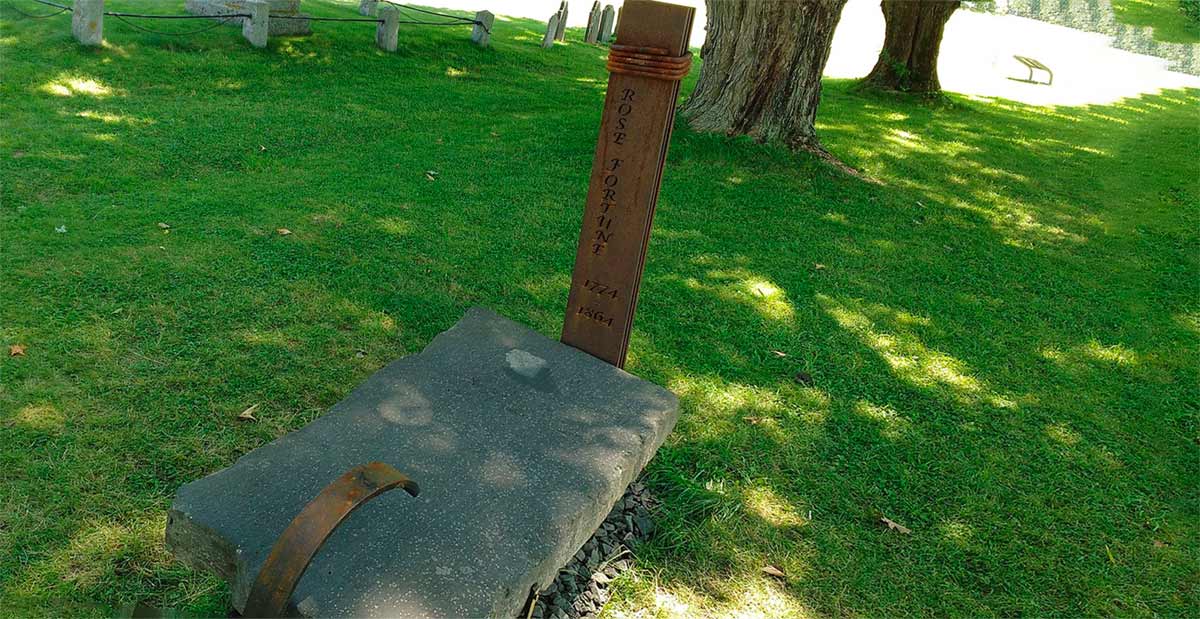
(459, 19)
(61, 9)
(125, 18)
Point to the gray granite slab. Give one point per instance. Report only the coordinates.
(520, 444)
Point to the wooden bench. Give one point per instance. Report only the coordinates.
(1032, 64)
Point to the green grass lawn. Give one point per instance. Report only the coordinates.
(1001, 333)
(1164, 16)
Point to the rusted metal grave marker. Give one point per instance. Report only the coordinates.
(646, 64)
(521, 443)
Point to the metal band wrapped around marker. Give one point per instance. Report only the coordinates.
(653, 62)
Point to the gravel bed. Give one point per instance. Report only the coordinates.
(581, 588)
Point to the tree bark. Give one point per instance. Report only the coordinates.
(761, 74)
(911, 40)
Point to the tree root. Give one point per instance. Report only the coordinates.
(814, 147)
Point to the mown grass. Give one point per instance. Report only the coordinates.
(1166, 17)
(1001, 333)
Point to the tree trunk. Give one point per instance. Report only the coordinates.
(761, 74)
(911, 42)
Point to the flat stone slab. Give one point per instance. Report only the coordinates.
(520, 444)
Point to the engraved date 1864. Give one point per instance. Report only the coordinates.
(596, 315)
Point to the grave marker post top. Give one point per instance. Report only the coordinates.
(646, 64)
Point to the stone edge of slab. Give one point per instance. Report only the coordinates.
(202, 548)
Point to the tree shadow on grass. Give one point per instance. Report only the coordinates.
(997, 346)
(1164, 16)
(995, 343)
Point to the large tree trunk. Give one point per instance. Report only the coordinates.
(911, 41)
(761, 74)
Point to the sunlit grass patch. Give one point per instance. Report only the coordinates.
(993, 345)
(68, 86)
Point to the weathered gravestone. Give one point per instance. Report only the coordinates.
(290, 22)
(368, 7)
(593, 26)
(606, 24)
(551, 29)
(561, 33)
(520, 443)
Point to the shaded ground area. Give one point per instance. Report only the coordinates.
(1164, 16)
(998, 340)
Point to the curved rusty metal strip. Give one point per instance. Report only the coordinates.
(295, 549)
(648, 62)
(665, 61)
(624, 70)
(662, 74)
(636, 49)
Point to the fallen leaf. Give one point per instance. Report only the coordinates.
(778, 353)
(753, 420)
(283, 231)
(895, 526)
(164, 226)
(804, 378)
(431, 175)
(818, 267)
(360, 353)
(17, 154)
(61, 229)
(262, 149)
(601, 578)
(248, 414)
(771, 570)
(1160, 544)
(16, 350)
